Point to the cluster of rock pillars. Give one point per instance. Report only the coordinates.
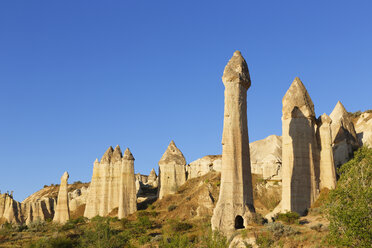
(311, 149)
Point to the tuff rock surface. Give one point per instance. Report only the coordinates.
(300, 151)
(327, 168)
(106, 183)
(344, 138)
(62, 211)
(235, 203)
(172, 171)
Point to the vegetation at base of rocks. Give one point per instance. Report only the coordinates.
(349, 207)
(258, 219)
(288, 217)
(264, 240)
(279, 230)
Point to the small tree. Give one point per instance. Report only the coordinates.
(349, 209)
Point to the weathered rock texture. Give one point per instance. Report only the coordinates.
(128, 192)
(363, 127)
(266, 157)
(10, 209)
(235, 203)
(204, 165)
(77, 198)
(300, 167)
(327, 168)
(62, 211)
(344, 137)
(172, 170)
(106, 184)
(152, 179)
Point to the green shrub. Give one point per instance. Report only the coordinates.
(264, 241)
(214, 240)
(171, 207)
(59, 242)
(258, 219)
(103, 236)
(37, 226)
(349, 208)
(144, 222)
(279, 230)
(288, 217)
(176, 241)
(178, 226)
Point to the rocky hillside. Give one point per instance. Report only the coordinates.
(363, 126)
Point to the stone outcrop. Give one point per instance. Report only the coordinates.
(363, 128)
(344, 137)
(266, 157)
(106, 184)
(300, 159)
(10, 209)
(128, 192)
(152, 179)
(62, 211)
(172, 171)
(77, 198)
(327, 168)
(204, 165)
(39, 210)
(235, 203)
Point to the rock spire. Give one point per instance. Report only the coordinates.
(300, 152)
(327, 168)
(108, 184)
(172, 170)
(344, 138)
(62, 211)
(235, 203)
(127, 192)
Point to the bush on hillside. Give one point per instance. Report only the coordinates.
(288, 217)
(349, 208)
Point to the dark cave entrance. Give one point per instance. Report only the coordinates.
(239, 222)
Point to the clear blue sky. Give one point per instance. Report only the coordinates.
(79, 76)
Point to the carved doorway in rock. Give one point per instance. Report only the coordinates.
(239, 222)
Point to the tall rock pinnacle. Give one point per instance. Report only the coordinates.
(127, 192)
(300, 152)
(327, 167)
(235, 203)
(113, 179)
(172, 170)
(344, 138)
(62, 211)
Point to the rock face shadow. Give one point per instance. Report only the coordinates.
(305, 168)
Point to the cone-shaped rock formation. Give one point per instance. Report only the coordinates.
(344, 137)
(300, 158)
(235, 203)
(62, 211)
(327, 168)
(172, 170)
(128, 192)
(107, 183)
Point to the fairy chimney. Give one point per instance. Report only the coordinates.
(172, 170)
(300, 152)
(62, 211)
(235, 203)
